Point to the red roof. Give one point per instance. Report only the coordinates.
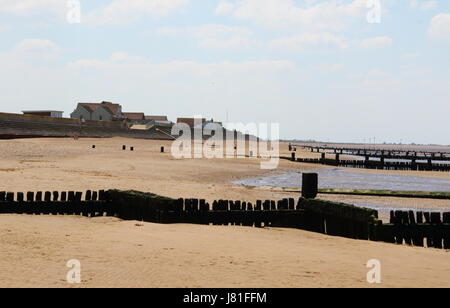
(134, 115)
(110, 107)
(190, 121)
(157, 118)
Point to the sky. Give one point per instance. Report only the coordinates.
(330, 70)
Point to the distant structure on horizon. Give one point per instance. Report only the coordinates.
(107, 111)
(44, 113)
(195, 123)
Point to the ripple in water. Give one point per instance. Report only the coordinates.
(344, 179)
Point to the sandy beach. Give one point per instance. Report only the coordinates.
(34, 249)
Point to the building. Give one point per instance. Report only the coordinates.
(157, 118)
(45, 113)
(191, 122)
(134, 117)
(105, 111)
(198, 123)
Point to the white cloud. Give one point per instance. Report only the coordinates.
(28, 7)
(329, 15)
(423, 5)
(332, 67)
(214, 35)
(120, 60)
(377, 42)
(125, 11)
(36, 48)
(440, 26)
(303, 41)
(224, 8)
(376, 73)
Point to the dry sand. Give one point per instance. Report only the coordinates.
(35, 249)
(117, 253)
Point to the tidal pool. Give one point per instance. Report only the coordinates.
(344, 179)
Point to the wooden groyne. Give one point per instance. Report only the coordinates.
(377, 159)
(331, 218)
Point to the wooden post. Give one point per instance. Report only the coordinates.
(293, 156)
(446, 220)
(124, 147)
(162, 149)
(47, 196)
(55, 196)
(63, 196)
(88, 195)
(30, 196)
(20, 197)
(310, 185)
(9, 197)
(71, 196)
(436, 233)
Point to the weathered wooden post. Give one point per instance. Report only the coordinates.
(9, 197)
(20, 197)
(47, 196)
(162, 149)
(30, 196)
(310, 183)
(39, 196)
(293, 156)
(446, 220)
(88, 195)
(413, 164)
(124, 147)
(437, 235)
(131, 149)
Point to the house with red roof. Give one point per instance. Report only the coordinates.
(105, 111)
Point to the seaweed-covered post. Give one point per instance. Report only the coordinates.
(310, 185)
